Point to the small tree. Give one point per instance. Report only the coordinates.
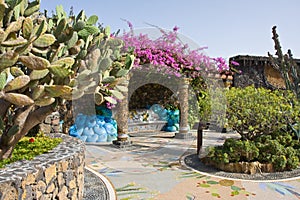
(257, 111)
(44, 60)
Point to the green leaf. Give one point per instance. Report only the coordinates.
(107, 30)
(18, 99)
(45, 101)
(38, 91)
(17, 10)
(17, 83)
(79, 25)
(14, 43)
(8, 59)
(39, 30)
(105, 64)
(129, 61)
(80, 16)
(122, 88)
(122, 72)
(34, 62)
(2, 10)
(117, 94)
(60, 71)
(13, 130)
(110, 100)
(32, 8)
(92, 29)
(16, 71)
(38, 74)
(58, 90)
(3, 79)
(108, 79)
(44, 40)
(13, 27)
(92, 20)
(83, 33)
(60, 27)
(73, 40)
(67, 61)
(59, 11)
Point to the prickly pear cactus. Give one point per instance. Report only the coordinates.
(47, 60)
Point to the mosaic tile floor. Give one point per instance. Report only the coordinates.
(152, 169)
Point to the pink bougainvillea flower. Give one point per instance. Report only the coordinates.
(235, 63)
(175, 28)
(171, 55)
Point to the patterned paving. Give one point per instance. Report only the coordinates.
(152, 169)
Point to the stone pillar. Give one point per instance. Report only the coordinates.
(183, 96)
(122, 115)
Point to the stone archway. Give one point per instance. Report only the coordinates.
(138, 78)
(150, 94)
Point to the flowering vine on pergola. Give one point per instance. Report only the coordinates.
(169, 55)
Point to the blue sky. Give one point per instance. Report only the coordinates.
(226, 27)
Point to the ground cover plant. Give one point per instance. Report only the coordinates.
(29, 147)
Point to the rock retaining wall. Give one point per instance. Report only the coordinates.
(51, 124)
(58, 174)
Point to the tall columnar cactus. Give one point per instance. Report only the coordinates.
(286, 65)
(44, 60)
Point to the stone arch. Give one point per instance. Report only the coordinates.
(138, 78)
(150, 94)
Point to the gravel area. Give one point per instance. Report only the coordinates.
(94, 187)
(194, 162)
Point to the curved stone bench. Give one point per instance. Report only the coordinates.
(58, 174)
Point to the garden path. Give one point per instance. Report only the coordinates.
(153, 169)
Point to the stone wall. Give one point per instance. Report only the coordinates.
(51, 124)
(58, 174)
(258, 71)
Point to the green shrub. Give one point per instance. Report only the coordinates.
(279, 162)
(256, 111)
(217, 155)
(265, 149)
(268, 149)
(239, 150)
(292, 158)
(234, 150)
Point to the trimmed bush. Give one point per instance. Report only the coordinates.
(283, 153)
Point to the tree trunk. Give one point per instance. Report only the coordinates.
(4, 107)
(32, 119)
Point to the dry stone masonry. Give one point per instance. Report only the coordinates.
(58, 174)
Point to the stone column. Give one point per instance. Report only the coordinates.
(183, 96)
(121, 116)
